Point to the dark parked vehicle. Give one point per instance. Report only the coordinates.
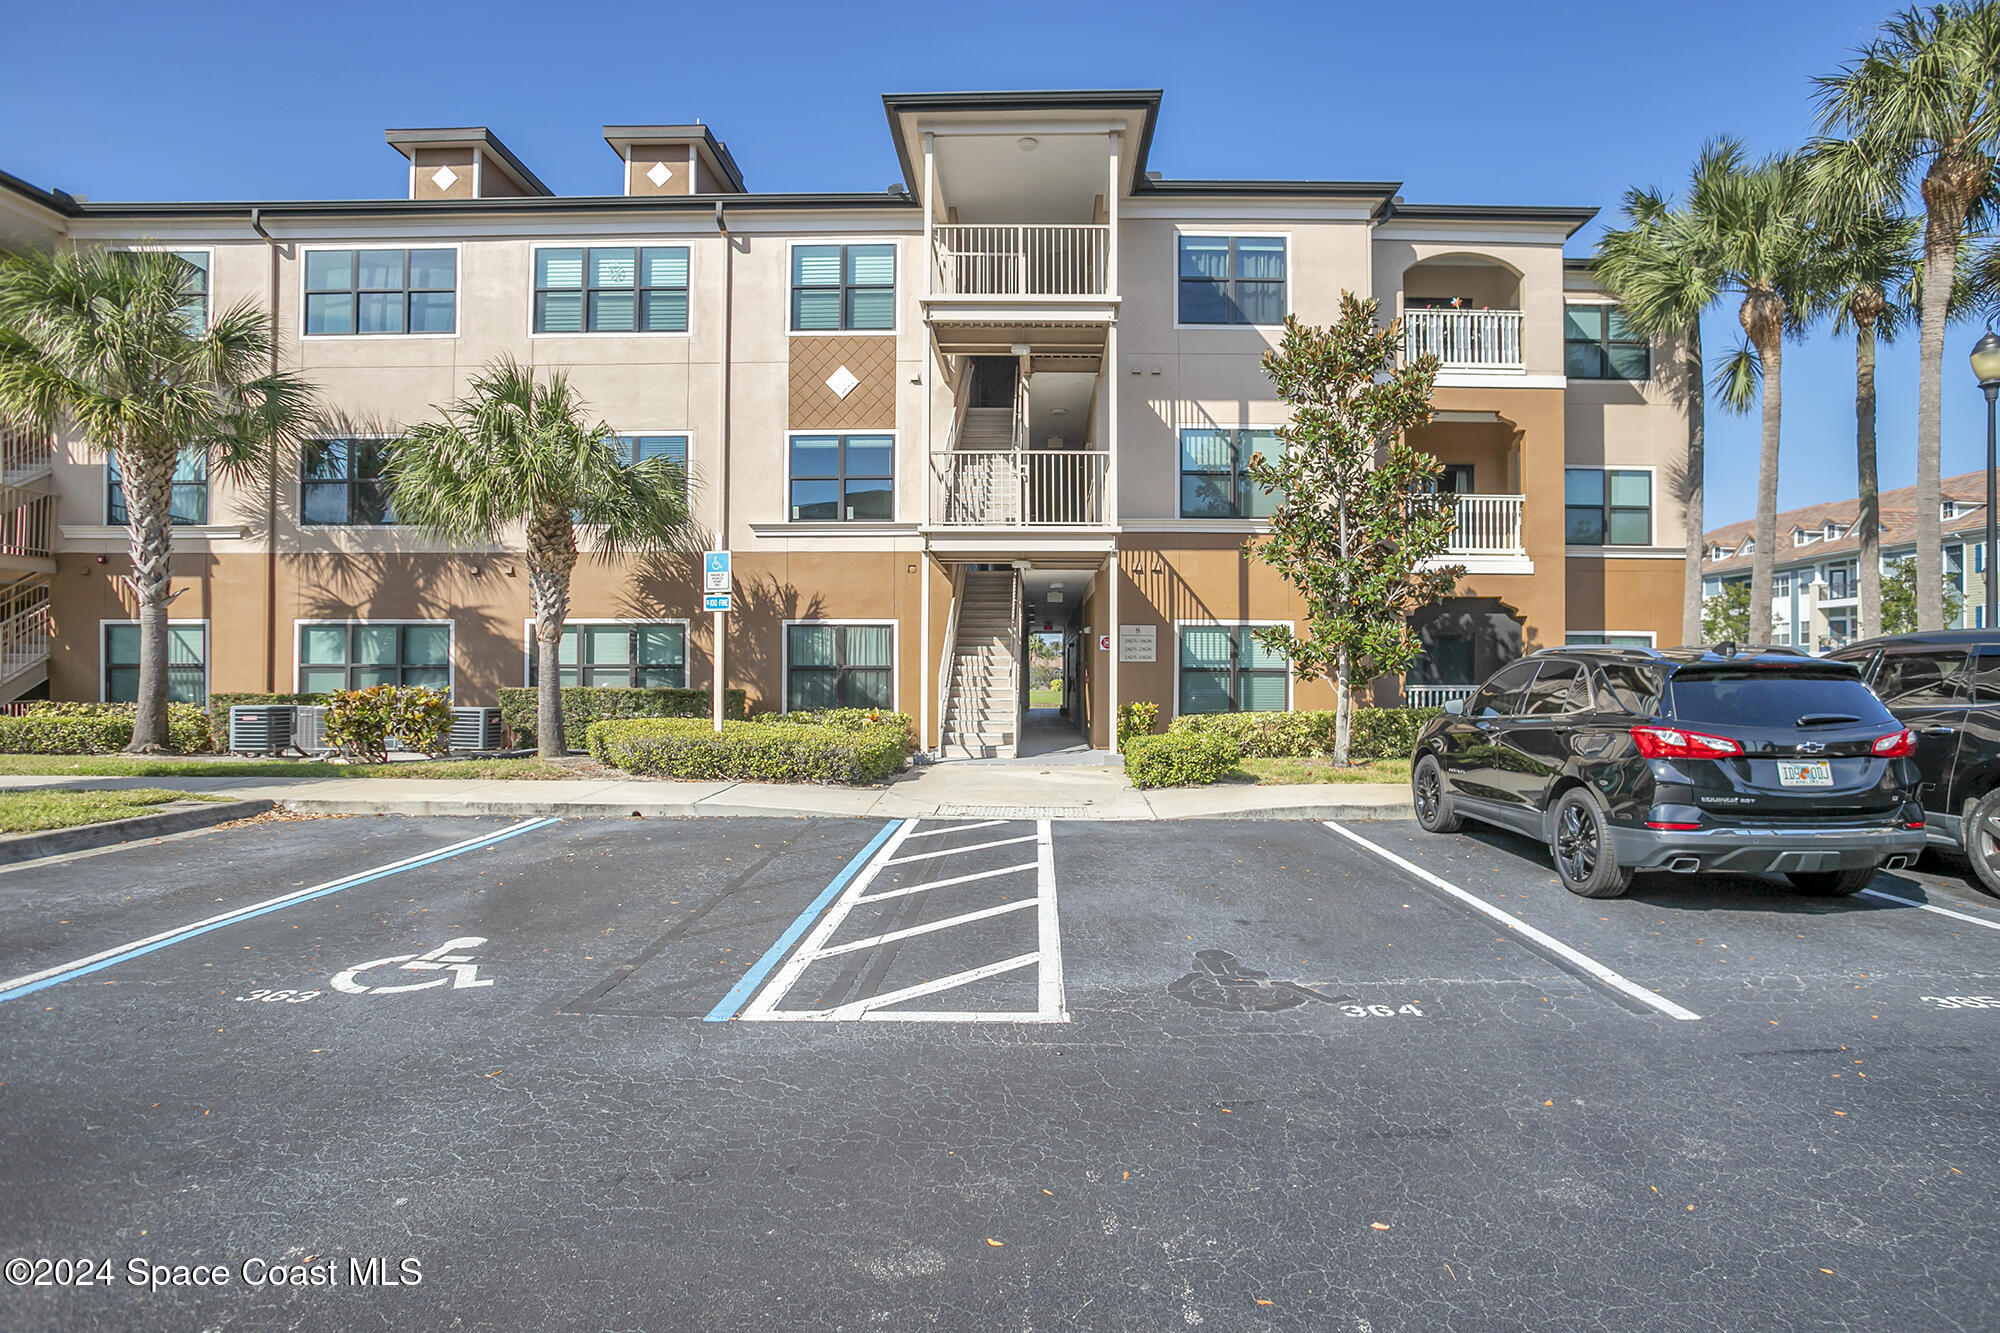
(1680, 759)
(1945, 687)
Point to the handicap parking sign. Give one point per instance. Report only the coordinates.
(715, 574)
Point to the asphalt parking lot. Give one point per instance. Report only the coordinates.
(983, 1073)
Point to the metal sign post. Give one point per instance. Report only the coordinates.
(716, 585)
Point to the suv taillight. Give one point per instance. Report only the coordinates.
(1896, 745)
(1676, 743)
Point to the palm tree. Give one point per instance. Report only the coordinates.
(1665, 279)
(101, 341)
(1920, 105)
(519, 450)
(1872, 272)
(1752, 221)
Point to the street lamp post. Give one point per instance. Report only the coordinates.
(1986, 365)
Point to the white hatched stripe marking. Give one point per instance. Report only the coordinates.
(954, 851)
(908, 889)
(958, 828)
(1000, 910)
(862, 1008)
(787, 976)
(1050, 927)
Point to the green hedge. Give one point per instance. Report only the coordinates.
(187, 724)
(585, 704)
(760, 751)
(52, 733)
(220, 704)
(1378, 733)
(851, 718)
(1179, 758)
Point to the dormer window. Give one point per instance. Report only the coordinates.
(1831, 531)
(1948, 509)
(1749, 547)
(1800, 537)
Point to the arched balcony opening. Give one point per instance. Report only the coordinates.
(1465, 310)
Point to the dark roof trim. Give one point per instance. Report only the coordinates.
(54, 200)
(615, 203)
(1106, 99)
(1575, 218)
(617, 134)
(1308, 189)
(407, 141)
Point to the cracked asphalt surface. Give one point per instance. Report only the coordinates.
(1297, 1088)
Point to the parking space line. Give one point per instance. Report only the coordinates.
(908, 889)
(1928, 907)
(892, 833)
(911, 932)
(958, 828)
(956, 851)
(1050, 1006)
(97, 962)
(1549, 942)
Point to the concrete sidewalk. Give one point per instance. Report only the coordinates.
(947, 790)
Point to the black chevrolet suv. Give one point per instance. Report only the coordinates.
(1683, 759)
(1945, 687)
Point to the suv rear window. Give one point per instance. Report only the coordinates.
(1770, 698)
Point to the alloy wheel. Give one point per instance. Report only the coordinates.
(1428, 793)
(1576, 843)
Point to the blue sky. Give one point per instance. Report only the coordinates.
(1546, 103)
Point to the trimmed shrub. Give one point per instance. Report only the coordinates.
(1137, 719)
(187, 724)
(852, 718)
(59, 733)
(585, 704)
(220, 704)
(760, 751)
(1179, 759)
(360, 722)
(1378, 733)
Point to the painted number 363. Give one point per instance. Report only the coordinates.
(1378, 1010)
(273, 996)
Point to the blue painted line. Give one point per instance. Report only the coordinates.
(249, 913)
(740, 993)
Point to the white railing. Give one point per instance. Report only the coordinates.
(1464, 339)
(1488, 525)
(24, 641)
(29, 528)
(25, 455)
(981, 260)
(1435, 696)
(977, 488)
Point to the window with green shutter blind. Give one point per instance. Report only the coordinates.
(1227, 669)
(843, 287)
(611, 289)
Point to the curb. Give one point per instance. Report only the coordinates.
(17, 847)
(727, 810)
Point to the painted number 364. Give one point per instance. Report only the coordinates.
(273, 996)
(1378, 1010)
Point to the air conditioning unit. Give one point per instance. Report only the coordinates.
(309, 732)
(475, 729)
(261, 728)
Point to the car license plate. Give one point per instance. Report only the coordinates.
(1805, 773)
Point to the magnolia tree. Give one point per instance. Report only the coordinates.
(1359, 527)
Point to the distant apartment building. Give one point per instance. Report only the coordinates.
(1814, 588)
(1013, 393)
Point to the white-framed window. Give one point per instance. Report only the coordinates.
(1608, 638)
(840, 478)
(1214, 483)
(637, 446)
(617, 654)
(1608, 506)
(344, 482)
(843, 287)
(379, 292)
(1225, 668)
(1227, 278)
(1954, 568)
(1598, 344)
(187, 661)
(839, 664)
(190, 495)
(611, 289)
(355, 654)
(201, 301)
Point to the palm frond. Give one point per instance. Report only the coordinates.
(1737, 377)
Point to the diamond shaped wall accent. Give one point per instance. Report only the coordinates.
(660, 174)
(842, 382)
(444, 178)
(869, 404)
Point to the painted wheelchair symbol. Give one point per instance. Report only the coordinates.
(463, 972)
(1219, 981)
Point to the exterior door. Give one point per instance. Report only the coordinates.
(1925, 687)
(1473, 758)
(1535, 745)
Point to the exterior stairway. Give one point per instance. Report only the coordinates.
(982, 704)
(27, 558)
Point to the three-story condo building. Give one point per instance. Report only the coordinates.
(1012, 394)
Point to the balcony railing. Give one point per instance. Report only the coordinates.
(1018, 488)
(1488, 525)
(1435, 696)
(982, 260)
(29, 529)
(1464, 339)
(25, 455)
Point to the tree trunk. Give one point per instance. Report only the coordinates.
(1343, 702)
(1697, 443)
(1942, 227)
(146, 478)
(551, 556)
(1868, 506)
(1770, 352)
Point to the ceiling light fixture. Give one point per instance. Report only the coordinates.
(1027, 144)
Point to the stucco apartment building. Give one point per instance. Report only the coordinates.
(1012, 393)
(1815, 593)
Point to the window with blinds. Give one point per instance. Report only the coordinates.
(839, 666)
(187, 663)
(1214, 483)
(1232, 279)
(612, 289)
(1226, 669)
(843, 287)
(619, 655)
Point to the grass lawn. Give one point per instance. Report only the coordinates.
(167, 766)
(34, 811)
(1266, 772)
(1049, 698)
